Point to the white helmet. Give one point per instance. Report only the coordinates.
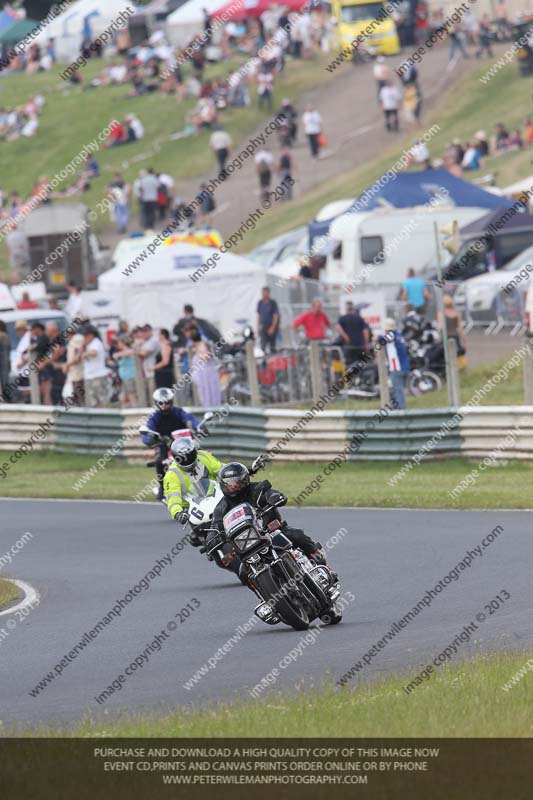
(163, 396)
(185, 453)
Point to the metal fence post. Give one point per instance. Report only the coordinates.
(316, 372)
(454, 388)
(251, 368)
(383, 376)
(140, 383)
(528, 379)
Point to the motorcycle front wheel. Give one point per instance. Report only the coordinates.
(290, 613)
(423, 381)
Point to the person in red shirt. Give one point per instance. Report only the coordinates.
(315, 322)
(26, 303)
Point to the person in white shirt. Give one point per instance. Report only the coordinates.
(390, 99)
(95, 371)
(419, 152)
(135, 125)
(220, 143)
(74, 302)
(265, 83)
(381, 73)
(312, 122)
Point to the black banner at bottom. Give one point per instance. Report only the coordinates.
(417, 769)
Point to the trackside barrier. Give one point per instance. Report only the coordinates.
(294, 435)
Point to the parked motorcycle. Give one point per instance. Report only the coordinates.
(422, 338)
(291, 589)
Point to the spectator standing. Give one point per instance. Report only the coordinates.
(125, 358)
(285, 173)
(312, 122)
(73, 367)
(484, 37)
(265, 86)
(264, 162)
(268, 319)
(397, 363)
(314, 322)
(163, 199)
(95, 372)
(454, 325)
(381, 73)
(221, 143)
(5, 354)
(456, 43)
(354, 333)
(148, 186)
(120, 191)
(390, 99)
(207, 329)
(74, 302)
(414, 292)
(39, 353)
(207, 203)
(148, 350)
(58, 357)
(164, 362)
(204, 371)
(21, 351)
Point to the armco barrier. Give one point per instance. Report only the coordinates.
(18, 422)
(243, 433)
(401, 434)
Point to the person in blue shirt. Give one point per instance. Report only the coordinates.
(163, 420)
(414, 292)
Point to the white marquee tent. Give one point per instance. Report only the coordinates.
(68, 28)
(226, 295)
(188, 20)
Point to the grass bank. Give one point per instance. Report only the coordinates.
(463, 700)
(469, 107)
(8, 593)
(354, 484)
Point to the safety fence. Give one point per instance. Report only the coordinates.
(294, 435)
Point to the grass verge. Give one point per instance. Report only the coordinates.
(464, 700)
(8, 593)
(353, 484)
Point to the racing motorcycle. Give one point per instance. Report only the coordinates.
(291, 589)
(162, 444)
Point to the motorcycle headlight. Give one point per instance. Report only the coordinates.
(246, 540)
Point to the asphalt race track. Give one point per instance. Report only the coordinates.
(85, 555)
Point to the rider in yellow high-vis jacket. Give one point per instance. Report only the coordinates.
(188, 464)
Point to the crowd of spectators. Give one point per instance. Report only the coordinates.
(21, 120)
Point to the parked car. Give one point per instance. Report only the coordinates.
(499, 293)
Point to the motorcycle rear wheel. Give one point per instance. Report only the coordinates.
(291, 615)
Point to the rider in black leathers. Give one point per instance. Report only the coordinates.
(234, 479)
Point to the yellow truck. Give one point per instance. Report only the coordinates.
(360, 17)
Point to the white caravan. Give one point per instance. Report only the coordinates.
(378, 247)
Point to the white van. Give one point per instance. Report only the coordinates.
(378, 247)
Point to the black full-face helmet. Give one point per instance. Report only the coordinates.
(233, 478)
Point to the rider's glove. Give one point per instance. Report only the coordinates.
(213, 544)
(151, 439)
(182, 517)
(277, 498)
